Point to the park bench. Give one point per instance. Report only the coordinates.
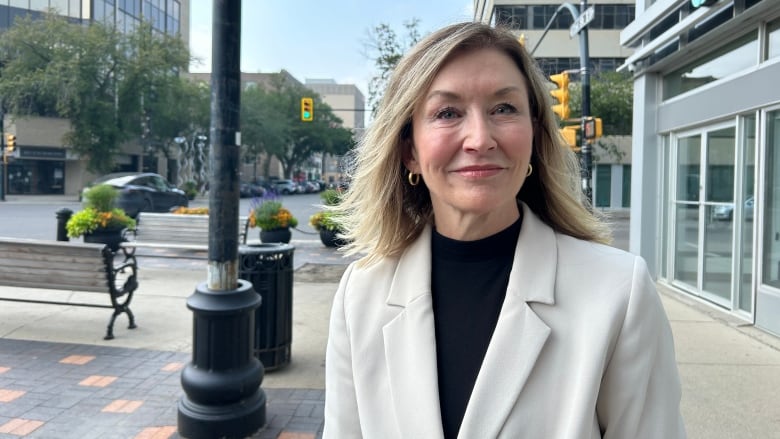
(72, 267)
(175, 231)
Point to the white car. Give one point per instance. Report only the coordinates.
(726, 212)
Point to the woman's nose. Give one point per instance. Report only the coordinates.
(479, 134)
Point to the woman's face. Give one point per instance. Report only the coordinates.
(472, 139)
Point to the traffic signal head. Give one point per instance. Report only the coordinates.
(10, 142)
(307, 109)
(593, 128)
(569, 134)
(561, 94)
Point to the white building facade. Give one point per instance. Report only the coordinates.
(705, 209)
(557, 51)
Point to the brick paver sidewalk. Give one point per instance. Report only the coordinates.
(60, 390)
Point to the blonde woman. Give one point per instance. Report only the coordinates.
(487, 304)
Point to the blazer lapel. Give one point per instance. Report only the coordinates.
(520, 334)
(410, 345)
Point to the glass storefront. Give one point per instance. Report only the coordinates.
(33, 177)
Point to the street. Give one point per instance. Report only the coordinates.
(35, 217)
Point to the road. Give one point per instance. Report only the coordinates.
(36, 217)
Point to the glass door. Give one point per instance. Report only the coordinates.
(711, 194)
(719, 210)
(686, 210)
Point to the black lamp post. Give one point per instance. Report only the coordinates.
(223, 397)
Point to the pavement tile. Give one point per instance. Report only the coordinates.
(20, 427)
(7, 395)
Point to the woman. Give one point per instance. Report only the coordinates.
(487, 304)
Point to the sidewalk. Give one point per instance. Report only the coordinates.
(59, 379)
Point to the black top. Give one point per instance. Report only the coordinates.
(468, 281)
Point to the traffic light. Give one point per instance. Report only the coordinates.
(593, 128)
(307, 109)
(561, 94)
(10, 142)
(569, 134)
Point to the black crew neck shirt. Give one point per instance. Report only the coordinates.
(468, 282)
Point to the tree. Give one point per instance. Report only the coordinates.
(612, 100)
(270, 124)
(385, 49)
(103, 81)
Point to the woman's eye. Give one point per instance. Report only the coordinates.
(505, 109)
(446, 113)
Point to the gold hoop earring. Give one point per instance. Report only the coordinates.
(414, 179)
(530, 170)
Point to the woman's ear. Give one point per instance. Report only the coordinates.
(408, 156)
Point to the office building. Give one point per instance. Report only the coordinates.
(705, 209)
(41, 163)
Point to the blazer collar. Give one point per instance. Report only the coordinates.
(410, 341)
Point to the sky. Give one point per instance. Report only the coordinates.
(318, 39)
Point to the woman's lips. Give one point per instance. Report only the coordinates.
(478, 171)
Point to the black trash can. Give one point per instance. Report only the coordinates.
(269, 267)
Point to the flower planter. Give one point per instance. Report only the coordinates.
(275, 235)
(329, 238)
(110, 237)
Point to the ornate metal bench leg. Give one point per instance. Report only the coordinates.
(131, 317)
(110, 329)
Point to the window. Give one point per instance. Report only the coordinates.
(771, 211)
(732, 58)
(773, 39)
(536, 17)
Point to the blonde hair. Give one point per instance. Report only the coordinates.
(381, 213)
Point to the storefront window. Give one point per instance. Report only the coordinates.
(603, 185)
(771, 212)
(732, 58)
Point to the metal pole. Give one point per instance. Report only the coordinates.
(586, 150)
(222, 390)
(4, 181)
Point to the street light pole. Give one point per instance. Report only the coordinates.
(222, 390)
(586, 150)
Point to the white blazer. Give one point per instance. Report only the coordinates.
(582, 349)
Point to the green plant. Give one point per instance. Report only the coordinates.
(323, 221)
(190, 189)
(326, 219)
(99, 213)
(101, 197)
(90, 219)
(330, 197)
(269, 214)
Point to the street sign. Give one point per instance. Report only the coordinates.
(582, 21)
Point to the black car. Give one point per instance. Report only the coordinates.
(143, 192)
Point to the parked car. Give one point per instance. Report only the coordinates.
(725, 212)
(284, 187)
(143, 192)
(249, 190)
